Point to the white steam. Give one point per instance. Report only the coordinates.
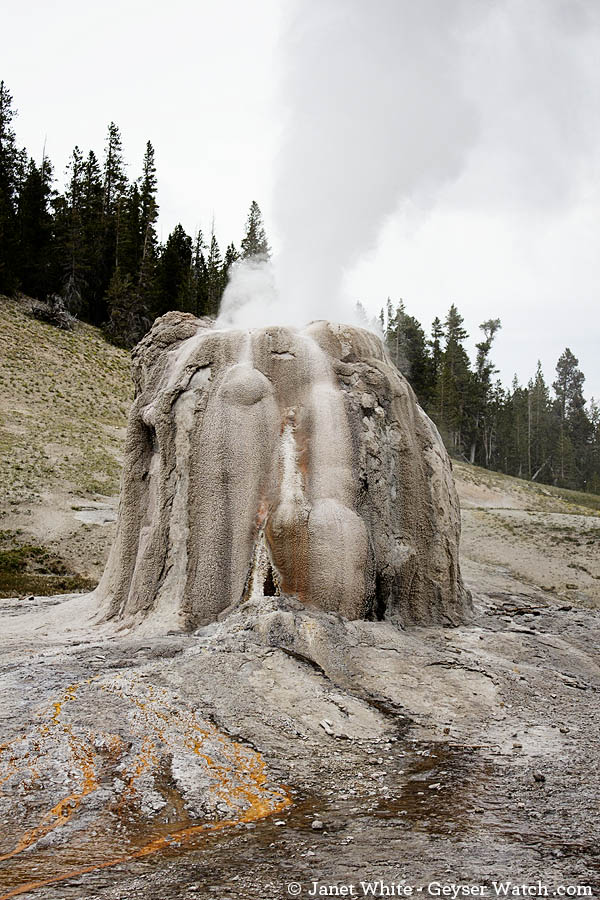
(251, 299)
(386, 103)
(377, 114)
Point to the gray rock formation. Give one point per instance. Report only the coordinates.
(280, 461)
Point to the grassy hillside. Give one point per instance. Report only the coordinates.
(64, 399)
(532, 534)
(530, 494)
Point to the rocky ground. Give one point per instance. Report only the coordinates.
(281, 746)
(285, 746)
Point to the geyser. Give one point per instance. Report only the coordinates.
(279, 461)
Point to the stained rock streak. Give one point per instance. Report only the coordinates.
(216, 782)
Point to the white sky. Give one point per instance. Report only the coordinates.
(506, 238)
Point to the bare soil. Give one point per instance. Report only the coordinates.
(544, 537)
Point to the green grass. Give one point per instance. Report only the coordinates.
(64, 401)
(577, 498)
(543, 497)
(27, 568)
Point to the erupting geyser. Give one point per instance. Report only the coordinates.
(280, 461)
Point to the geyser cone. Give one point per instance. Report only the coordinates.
(280, 461)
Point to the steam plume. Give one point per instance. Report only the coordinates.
(387, 103)
(377, 113)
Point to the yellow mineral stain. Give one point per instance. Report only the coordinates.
(241, 780)
(82, 755)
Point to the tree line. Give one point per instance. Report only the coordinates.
(543, 433)
(94, 248)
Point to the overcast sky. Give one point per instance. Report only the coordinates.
(500, 97)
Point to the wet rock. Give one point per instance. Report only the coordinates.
(152, 803)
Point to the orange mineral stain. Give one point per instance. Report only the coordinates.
(82, 756)
(239, 775)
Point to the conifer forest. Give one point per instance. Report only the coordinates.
(92, 251)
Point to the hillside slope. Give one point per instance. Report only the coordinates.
(529, 534)
(64, 399)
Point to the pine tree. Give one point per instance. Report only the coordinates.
(174, 275)
(199, 287)
(254, 243)
(134, 294)
(127, 318)
(453, 384)
(482, 427)
(573, 424)
(539, 426)
(592, 479)
(35, 231)
(93, 224)
(148, 190)
(131, 234)
(406, 344)
(517, 441)
(69, 235)
(148, 289)
(114, 194)
(494, 422)
(115, 180)
(9, 164)
(148, 203)
(231, 256)
(435, 348)
(215, 280)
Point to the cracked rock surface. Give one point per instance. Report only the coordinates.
(197, 763)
